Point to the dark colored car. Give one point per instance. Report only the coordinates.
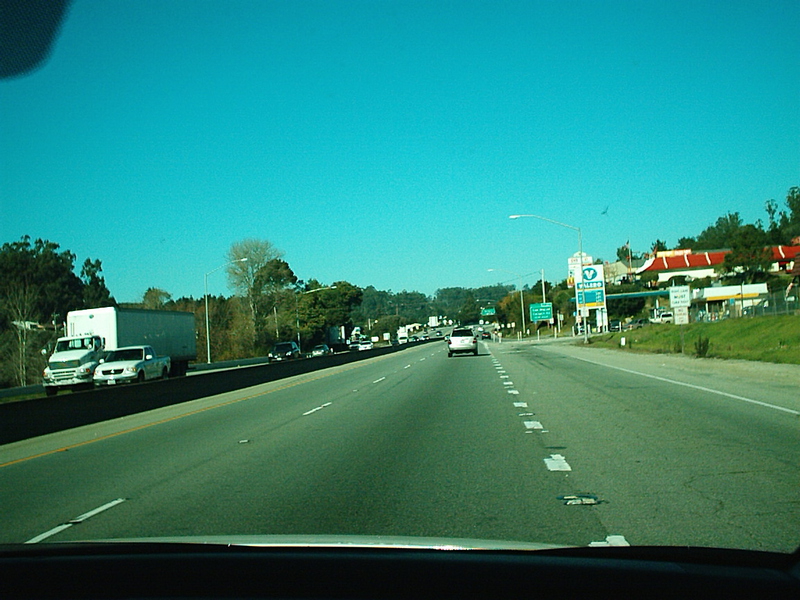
(638, 323)
(284, 351)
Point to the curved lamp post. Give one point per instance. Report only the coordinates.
(297, 309)
(580, 260)
(208, 330)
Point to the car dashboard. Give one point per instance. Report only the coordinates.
(148, 570)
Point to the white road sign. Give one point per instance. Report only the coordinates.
(680, 296)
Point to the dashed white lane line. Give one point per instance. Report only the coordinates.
(611, 540)
(508, 383)
(520, 405)
(75, 521)
(379, 380)
(533, 425)
(556, 462)
(313, 410)
(515, 392)
(407, 367)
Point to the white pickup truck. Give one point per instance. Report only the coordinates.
(131, 364)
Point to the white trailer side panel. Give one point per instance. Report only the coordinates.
(170, 333)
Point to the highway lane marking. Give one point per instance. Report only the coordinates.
(198, 411)
(520, 405)
(556, 462)
(508, 383)
(313, 410)
(533, 425)
(611, 540)
(379, 380)
(407, 367)
(698, 387)
(75, 521)
(515, 392)
(504, 376)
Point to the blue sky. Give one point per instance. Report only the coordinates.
(385, 143)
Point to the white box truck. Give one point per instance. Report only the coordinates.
(93, 332)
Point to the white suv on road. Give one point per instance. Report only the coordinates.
(462, 340)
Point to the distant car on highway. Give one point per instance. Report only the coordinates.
(365, 345)
(615, 325)
(462, 341)
(284, 351)
(485, 335)
(321, 350)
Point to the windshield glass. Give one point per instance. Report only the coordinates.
(74, 344)
(603, 196)
(127, 354)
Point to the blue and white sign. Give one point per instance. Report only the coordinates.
(592, 287)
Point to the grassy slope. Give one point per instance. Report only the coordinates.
(769, 339)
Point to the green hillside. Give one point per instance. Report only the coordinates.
(769, 339)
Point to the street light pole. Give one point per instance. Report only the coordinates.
(297, 309)
(208, 329)
(580, 264)
(521, 297)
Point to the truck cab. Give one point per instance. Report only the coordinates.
(72, 364)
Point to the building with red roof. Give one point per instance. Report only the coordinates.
(697, 265)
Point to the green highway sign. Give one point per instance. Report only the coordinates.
(542, 311)
(487, 312)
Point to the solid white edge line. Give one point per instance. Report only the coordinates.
(696, 387)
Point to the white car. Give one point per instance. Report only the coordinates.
(131, 364)
(462, 341)
(365, 345)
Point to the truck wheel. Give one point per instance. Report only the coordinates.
(51, 391)
(165, 373)
(140, 377)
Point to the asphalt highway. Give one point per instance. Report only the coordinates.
(548, 443)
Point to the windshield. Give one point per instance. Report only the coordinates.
(608, 192)
(74, 344)
(127, 354)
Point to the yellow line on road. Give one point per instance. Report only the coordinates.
(188, 414)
